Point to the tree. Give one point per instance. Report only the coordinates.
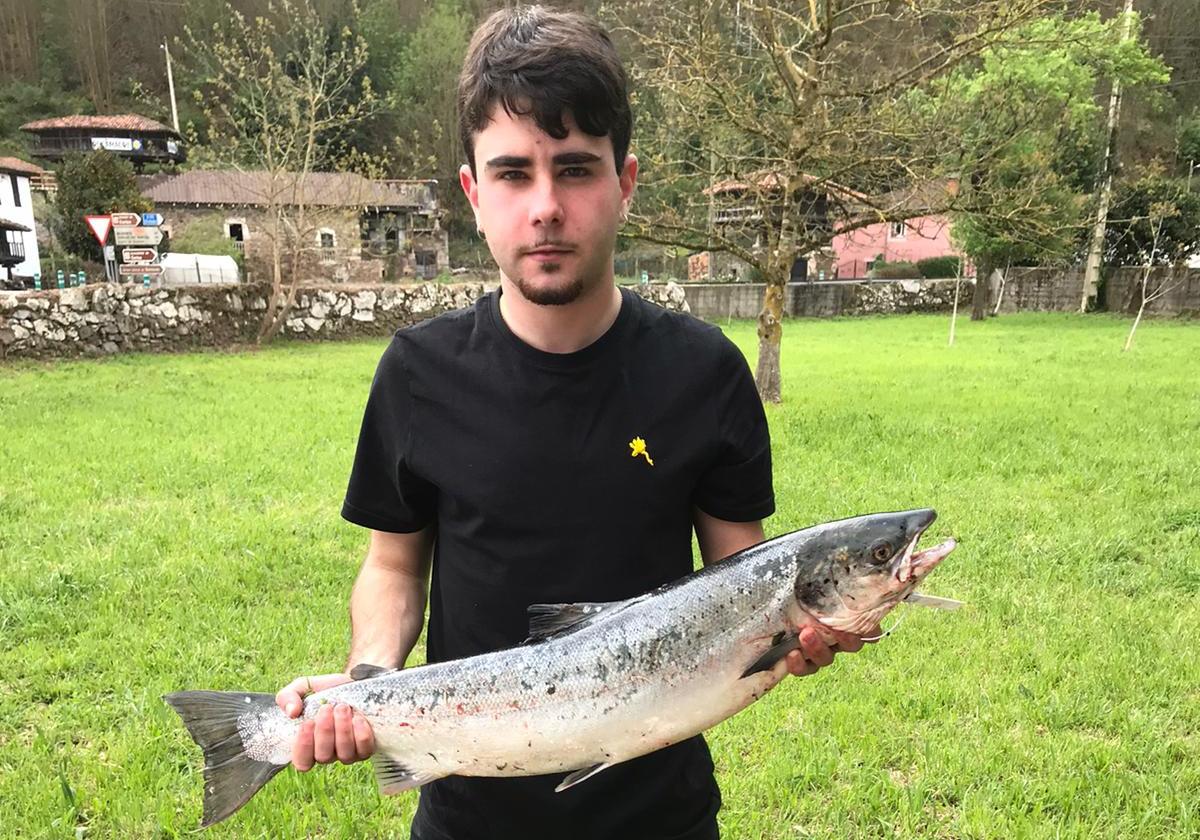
(92, 184)
(1155, 220)
(1157, 214)
(1026, 199)
(777, 126)
(281, 93)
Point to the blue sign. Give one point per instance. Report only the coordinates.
(151, 220)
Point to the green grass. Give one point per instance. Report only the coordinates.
(171, 522)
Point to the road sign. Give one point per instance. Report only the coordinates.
(137, 235)
(151, 219)
(138, 270)
(126, 219)
(100, 226)
(142, 256)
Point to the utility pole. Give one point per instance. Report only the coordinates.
(171, 88)
(1091, 273)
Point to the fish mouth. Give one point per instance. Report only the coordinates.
(912, 565)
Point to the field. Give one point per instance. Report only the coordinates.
(172, 521)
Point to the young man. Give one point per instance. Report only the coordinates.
(557, 442)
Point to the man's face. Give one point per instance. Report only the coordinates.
(549, 208)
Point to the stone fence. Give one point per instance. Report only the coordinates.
(107, 318)
(1173, 290)
(719, 301)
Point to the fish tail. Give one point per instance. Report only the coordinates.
(230, 776)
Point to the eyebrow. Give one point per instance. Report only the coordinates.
(563, 159)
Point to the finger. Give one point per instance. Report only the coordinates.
(302, 750)
(798, 666)
(814, 648)
(324, 681)
(849, 642)
(323, 736)
(291, 697)
(364, 737)
(343, 730)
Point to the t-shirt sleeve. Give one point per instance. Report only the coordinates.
(383, 492)
(737, 487)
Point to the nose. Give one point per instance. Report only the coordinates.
(545, 208)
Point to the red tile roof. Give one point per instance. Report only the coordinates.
(21, 167)
(248, 189)
(113, 122)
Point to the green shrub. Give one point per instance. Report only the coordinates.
(939, 267)
(894, 270)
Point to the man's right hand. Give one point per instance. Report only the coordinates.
(338, 733)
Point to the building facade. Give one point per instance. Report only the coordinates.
(18, 230)
(138, 139)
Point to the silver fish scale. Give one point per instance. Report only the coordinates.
(652, 673)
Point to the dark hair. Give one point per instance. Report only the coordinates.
(541, 61)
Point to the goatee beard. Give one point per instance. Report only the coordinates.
(553, 296)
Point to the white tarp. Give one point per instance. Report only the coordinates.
(188, 269)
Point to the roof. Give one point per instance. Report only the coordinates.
(111, 122)
(21, 167)
(8, 224)
(255, 188)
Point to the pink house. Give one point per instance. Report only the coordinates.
(914, 239)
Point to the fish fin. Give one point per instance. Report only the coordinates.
(366, 671)
(782, 645)
(549, 620)
(230, 776)
(580, 775)
(394, 777)
(920, 599)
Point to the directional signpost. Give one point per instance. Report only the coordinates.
(120, 220)
(136, 236)
(151, 220)
(135, 270)
(139, 256)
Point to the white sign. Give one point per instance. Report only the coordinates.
(113, 144)
(137, 236)
(138, 270)
(100, 226)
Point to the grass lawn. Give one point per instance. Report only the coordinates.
(171, 522)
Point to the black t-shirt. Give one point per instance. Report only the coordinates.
(555, 478)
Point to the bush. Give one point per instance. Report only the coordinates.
(939, 267)
(894, 270)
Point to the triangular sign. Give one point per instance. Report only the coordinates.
(100, 226)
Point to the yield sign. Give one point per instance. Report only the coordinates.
(100, 226)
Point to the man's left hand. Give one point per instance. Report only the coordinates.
(817, 648)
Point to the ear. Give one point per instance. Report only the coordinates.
(628, 180)
(470, 189)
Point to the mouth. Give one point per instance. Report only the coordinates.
(914, 565)
(545, 254)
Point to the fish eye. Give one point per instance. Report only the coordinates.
(881, 551)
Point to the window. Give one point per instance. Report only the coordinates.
(899, 229)
(326, 239)
(16, 189)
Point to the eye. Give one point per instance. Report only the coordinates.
(882, 552)
(518, 174)
(577, 171)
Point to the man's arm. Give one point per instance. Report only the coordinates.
(720, 538)
(387, 612)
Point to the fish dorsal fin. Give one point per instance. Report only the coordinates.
(394, 777)
(366, 671)
(546, 621)
(578, 776)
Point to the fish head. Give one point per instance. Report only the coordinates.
(860, 568)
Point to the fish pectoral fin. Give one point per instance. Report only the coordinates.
(781, 645)
(920, 599)
(366, 671)
(394, 777)
(549, 620)
(579, 775)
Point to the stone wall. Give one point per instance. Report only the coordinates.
(108, 318)
(718, 301)
(1179, 287)
(1039, 290)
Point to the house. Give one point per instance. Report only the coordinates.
(749, 212)
(18, 239)
(138, 139)
(354, 228)
(917, 237)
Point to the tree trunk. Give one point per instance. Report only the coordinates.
(983, 288)
(770, 331)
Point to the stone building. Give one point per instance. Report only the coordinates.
(138, 139)
(353, 228)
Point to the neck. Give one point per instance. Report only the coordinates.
(560, 329)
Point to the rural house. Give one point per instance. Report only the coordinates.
(138, 139)
(353, 229)
(18, 239)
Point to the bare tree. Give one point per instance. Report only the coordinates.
(279, 93)
(777, 126)
(1159, 213)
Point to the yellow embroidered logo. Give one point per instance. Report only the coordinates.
(637, 447)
